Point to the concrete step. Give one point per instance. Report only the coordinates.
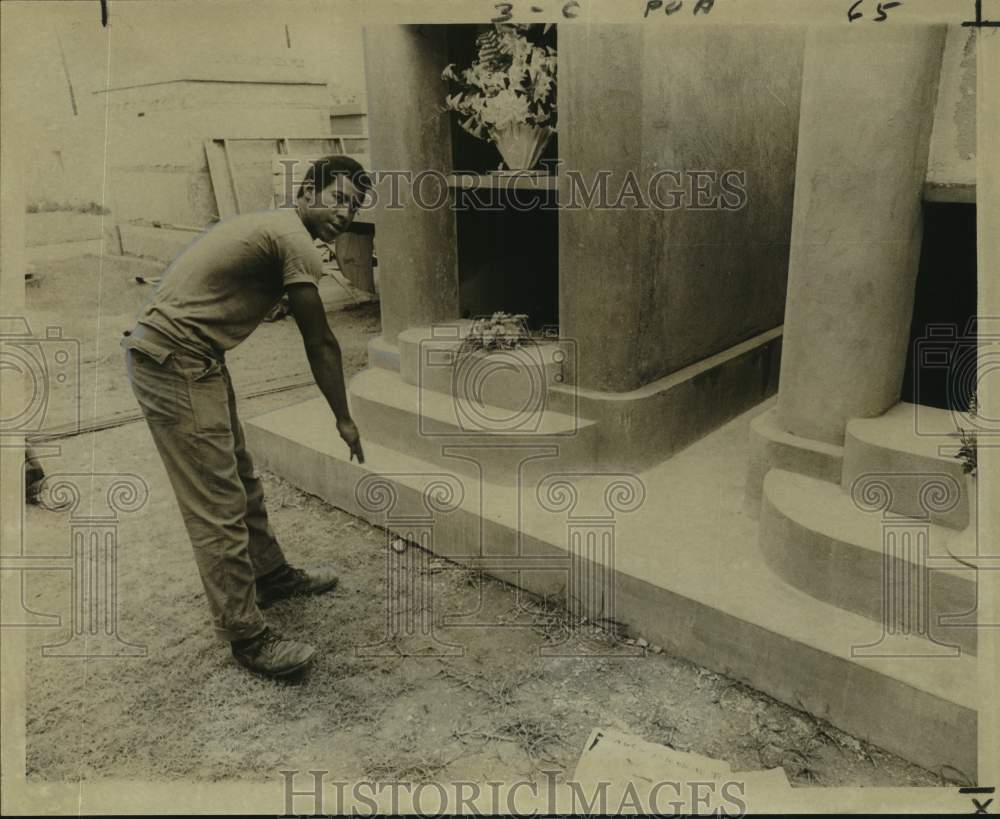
(383, 354)
(494, 441)
(821, 541)
(438, 358)
(910, 453)
(687, 575)
(771, 447)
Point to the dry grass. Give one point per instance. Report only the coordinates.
(533, 735)
(406, 767)
(499, 711)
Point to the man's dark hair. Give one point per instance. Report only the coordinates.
(326, 169)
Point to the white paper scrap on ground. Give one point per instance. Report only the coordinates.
(629, 775)
(771, 778)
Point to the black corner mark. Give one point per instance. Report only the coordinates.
(104, 13)
(979, 22)
(980, 807)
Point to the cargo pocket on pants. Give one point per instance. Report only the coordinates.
(207, 393)
(210, 405)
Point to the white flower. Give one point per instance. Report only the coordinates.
(493, 97)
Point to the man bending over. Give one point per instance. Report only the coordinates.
(211, 298)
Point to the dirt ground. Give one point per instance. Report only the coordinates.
(495, 708)
(106, 300)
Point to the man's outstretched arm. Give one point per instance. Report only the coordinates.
(325, 359)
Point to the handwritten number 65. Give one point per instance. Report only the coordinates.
(880, 10)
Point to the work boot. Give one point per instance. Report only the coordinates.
(269, 653)
(286, 582)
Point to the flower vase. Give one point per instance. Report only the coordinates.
(521, 145)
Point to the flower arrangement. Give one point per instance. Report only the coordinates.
(968, 453)
(508, 94)
(501, 331)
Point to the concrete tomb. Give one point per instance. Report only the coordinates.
(643, 460)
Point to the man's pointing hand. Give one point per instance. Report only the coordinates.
(349, 432)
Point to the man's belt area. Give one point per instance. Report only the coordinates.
(157, 345)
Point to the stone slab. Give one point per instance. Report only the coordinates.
(383, 354)
(820, 540)
(430, 425)
(643, 427)
(911, 449)
(771, 447)
(687, 573)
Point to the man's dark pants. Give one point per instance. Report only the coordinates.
(190, 407)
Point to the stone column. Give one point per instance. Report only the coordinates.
(416, 247)
(868, 95)
(601, 258)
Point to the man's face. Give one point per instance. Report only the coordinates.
(327, 215)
